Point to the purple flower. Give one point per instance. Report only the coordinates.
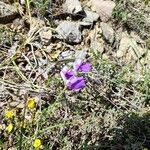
(79, 65)
(76, 83)
(66, 73)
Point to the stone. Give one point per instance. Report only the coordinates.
(69, 54)
(95, 41)
(90, 18)
(34, 22)
(108, 32)
(104, 8)
(129, 48)
(97, 47)
(7, 13)
(70, 32)
(45, 35)
(124, 45)
(72, 7)
(80, 54)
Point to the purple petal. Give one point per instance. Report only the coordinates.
(66, 73)
(85, 67)
(79, 65)
(76, 83)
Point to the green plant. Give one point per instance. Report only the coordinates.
(41, 6)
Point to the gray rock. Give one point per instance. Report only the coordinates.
(7, 12)
(129, 48)
(108, 32)
(45, 35)
(69, 31)
(69, 54)
(104, 8)
(80, 54)
(97, 47)
(125, 44)
(90, 18)
(72, 6)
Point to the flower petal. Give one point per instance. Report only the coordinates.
(66, 73)
(79, 65)
(76, 83)
(85, 67)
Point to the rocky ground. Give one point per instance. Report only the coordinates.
(38, 38)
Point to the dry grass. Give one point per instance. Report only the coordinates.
(112, 112)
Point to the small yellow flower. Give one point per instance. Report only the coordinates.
(31, 103)
(37, 143)
(9, 114)
(9, 127)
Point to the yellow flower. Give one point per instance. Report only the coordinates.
(9, 114)
(37, 143)
(31, 103)
(9, 127)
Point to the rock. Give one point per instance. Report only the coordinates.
(72, 7)
(70, 32)
(124, 45)
(103, 8)
(45, 35)
(80, 54)
(90, 18)
(95, 41)
(69, 54)
(7, 12)
(108, 32)
(129, 48)
(97, 47)
(34, 22)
